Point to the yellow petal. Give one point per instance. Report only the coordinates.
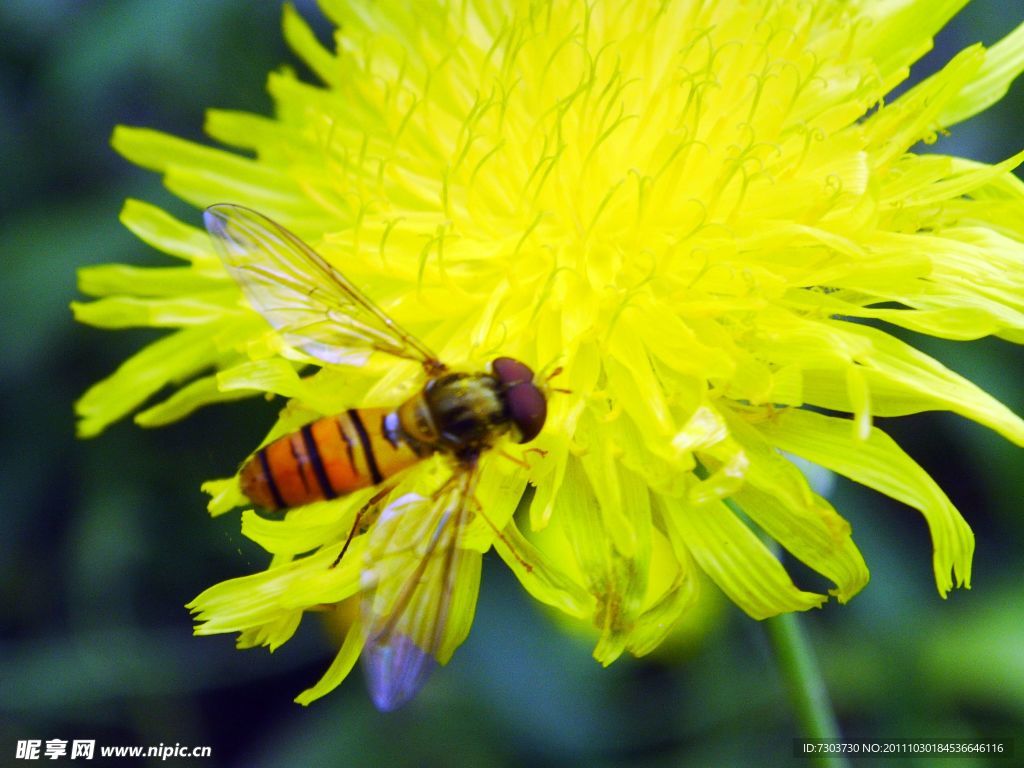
(339, 669)
(879, 463)
(1003, 62)
(736, 560)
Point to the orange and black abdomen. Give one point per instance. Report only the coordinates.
(330, 457)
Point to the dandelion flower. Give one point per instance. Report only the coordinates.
(707, 214)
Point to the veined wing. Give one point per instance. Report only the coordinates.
(421, 590)
(314, 307)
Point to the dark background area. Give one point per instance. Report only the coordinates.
(102, 542)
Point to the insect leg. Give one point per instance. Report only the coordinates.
(374, 500)
(521, 462)
(478, 509)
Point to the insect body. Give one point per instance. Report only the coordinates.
(415, 569)
(455, 413)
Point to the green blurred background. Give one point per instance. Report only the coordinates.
(104, 541)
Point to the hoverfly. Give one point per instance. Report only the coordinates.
(412, 573)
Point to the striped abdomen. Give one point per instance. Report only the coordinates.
(330, 457)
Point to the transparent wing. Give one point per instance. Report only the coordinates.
(421, 590)
(308, 301)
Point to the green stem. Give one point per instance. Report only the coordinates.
(807, 691)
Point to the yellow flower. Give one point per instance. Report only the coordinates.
(705, 213)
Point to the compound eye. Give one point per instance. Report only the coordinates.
(526, 403)
(511, 372)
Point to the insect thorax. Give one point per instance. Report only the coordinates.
(459, 413)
